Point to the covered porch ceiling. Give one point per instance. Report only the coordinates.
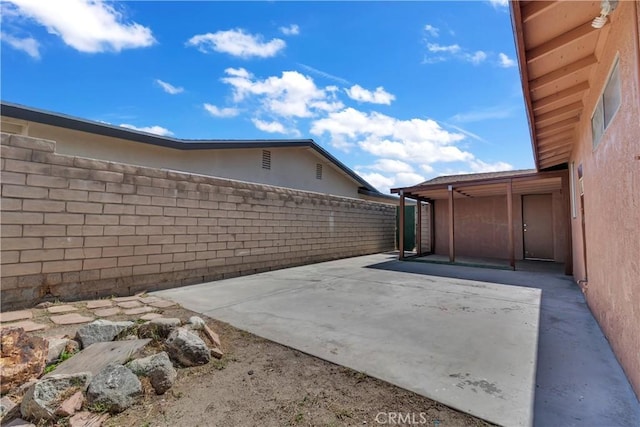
(557, 50)
(531, 183)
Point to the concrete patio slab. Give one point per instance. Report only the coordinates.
(471, 345)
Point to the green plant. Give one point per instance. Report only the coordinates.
(98, 407)
(63, 356)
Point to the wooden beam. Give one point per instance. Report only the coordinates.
(562, 40)
(558, 153)
(432, 232)
(419, 228)
(562, 72)
(568, 260)
(535, 8)
(567, 145)
(554, 161)
(401, 228)
(452, 248)
(559, 113)
(561, 95)
(512, 255)
(558, 127)
(544, 142)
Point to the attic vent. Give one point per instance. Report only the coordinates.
(318, 171)
(266, 159)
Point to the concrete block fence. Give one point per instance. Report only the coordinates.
(75, 228)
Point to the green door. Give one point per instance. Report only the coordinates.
(409, 227)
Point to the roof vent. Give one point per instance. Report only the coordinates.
(318, 171)
(266, 159)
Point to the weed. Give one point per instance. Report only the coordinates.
(63, 356)
(220, 364)
(299, 418)
(98, 407)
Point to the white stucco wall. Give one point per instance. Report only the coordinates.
(290, 167)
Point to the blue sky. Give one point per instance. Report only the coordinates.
(399, 91)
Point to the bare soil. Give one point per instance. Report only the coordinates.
(261, 383)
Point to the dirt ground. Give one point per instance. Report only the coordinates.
(261, 383)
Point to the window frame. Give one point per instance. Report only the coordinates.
(599, 112)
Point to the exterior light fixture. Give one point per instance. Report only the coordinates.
(607, 6)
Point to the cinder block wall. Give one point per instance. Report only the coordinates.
(75, 228)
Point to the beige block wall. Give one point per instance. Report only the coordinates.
(76, 228)
(612, 198)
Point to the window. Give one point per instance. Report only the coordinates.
(607, 106)
(318, 171)
(266, 159)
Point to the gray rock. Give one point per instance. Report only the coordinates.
(158, 328)
(186, 348)
(6, 407)
(196, 323)
(100, 330)
(43, 398)
(19, 422)
(158, 368)
(56, 346)
(114, 388)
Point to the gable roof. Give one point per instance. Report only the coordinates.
(453, 179)
(22, 112)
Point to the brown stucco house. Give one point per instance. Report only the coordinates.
(581, 83)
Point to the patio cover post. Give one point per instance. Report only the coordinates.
(452, 249)
(401, 227)
(432, 225)
(568, 262)
(419, 227)
(512, 257)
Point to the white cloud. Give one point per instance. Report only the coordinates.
(29, 45)
(169, 88)
(291, 95)
(238, 43)
(157, 130)
(499, 3)
(490, 113)
(379, 96)
(435, 48)
(415, 140)
(221, 112)
(86, 25)
(384, 182)
(392, 166)
(433, 31)
(291, 30)
(478, 166)
(324, 74)
(476, 58)
(505, 61)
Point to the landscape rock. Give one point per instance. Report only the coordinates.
(186, 348)
(100, 330)
(87, 419)
(158, 368)
(215, 338)
(73, 346)
(19, 422)
(56, 347)
(196, 323)
(7, 407)
(114, 388)
(22, 358)
(70, 405)
(44, 397)
(158, 328)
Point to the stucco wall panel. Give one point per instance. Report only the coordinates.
(290, 167)
(77, 228)
(612, 200)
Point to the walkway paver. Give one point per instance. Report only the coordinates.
(57, 309)
(70, 319)
(106, 312)
(27, 325)
(130, 304)
(12, 316)
(100, 303)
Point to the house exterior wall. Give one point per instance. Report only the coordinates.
(481, 227)
(290, 167)
(612, 199)
(75, 228)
